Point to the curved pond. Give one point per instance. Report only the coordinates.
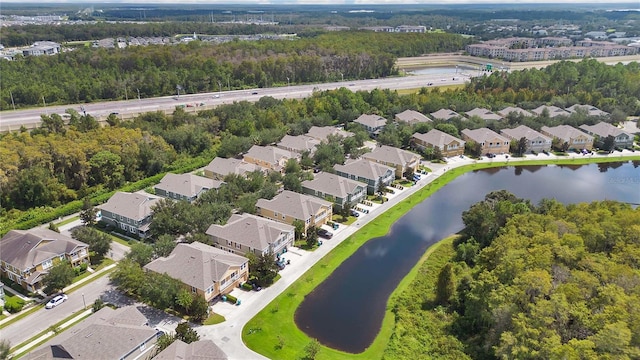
(345, 312)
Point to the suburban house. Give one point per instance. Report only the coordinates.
(552, 111)
(186, 187)
(108, 334)
(289, 206)
(130, 212)
(490, 141)
(447, 144)
(248, 233)
(42, 48)
(370, 173)
(373, 123)
(337, 189)
(446, 114)
(322, 133)
(269, 157)
(204, 269)
(573, 137)
(484, 114)
(219, 167)
(411, 117)
(588, 109)
(511, 109)
(400, 160)
(298, 144)
(602, 130)
(27, 255)
(197, 350)
(535, 140)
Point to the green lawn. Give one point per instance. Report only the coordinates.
(214, 319)
(342, 221)
(103, 263)
(264, 332)
(67, 221)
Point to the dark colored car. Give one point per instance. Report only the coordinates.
(354, 213)
(325, 234)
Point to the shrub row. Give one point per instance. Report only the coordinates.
(13, 304)
(232, 299)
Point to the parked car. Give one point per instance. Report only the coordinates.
(325, 234)
(490, 155)
(254, 93)
(57, 300)
(354, 213)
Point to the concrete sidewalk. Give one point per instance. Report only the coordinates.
(228, 335)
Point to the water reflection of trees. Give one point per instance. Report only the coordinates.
(603, 167)
(572, 167)
(530, 168)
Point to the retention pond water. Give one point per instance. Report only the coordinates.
(345, 312)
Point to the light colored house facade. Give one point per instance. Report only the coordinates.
(411, 117)
(368, 172)
(490, 141)
(269, 157)
(187, 187)
(248, 233)
(400, 160)
(130, 212)
(535, 141)
(602, 130)
(203, 269)
(337, 189)
(289, 206)
(27, 255)
(372, 123)
(298, 144)
(219, 167)
(448, 145)
(575, 138)
(108, 334)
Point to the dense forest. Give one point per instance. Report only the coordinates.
(87, 75)
(56, 164)
(528, 282)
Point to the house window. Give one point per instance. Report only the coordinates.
(143, 346)
(194, 290)
(243, 266)
(47, 264)
(238, 246)
(61, 257)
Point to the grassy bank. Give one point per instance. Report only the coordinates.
(273, 331)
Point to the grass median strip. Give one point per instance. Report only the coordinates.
(273, 332)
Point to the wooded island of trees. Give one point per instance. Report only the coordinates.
(528, 282)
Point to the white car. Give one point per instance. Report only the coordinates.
(57, 300)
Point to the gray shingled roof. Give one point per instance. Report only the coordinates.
(298, 206)
(188, 185)
(590, 109)
(250, 230)
(565, 132)
(107, 334)
(524, 131)
(333, 185)
(224, 167)
(131, 205)
(269, 154)
(482, 135)
(25, 249)
(484, 114)
(445, 114)
(603, 129)
(299, 144)
(506, 111)
(553, 111)
(196, 264)
(364, 168)
(372, 121)
(321, 133)
(437, 138)
(412, 116)
(197, 350)
(392, 155)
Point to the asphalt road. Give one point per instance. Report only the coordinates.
(30, 118)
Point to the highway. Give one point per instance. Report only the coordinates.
(30, 118)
